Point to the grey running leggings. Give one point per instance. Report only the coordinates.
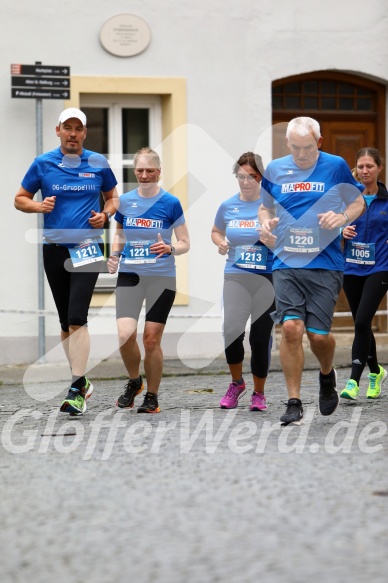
(244, 295)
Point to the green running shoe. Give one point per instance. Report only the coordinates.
(375, 382)
(351, 390)
(75, 402)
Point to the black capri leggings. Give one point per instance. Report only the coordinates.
(158, 291)
(364, 294)
(72, 288)
(248, 294)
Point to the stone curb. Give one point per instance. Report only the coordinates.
(114, 369)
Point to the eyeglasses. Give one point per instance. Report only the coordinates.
(249, 177)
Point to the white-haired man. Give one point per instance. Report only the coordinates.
(306, 197)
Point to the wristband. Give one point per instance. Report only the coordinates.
(346, 217)
(108, 215)
(115, 254)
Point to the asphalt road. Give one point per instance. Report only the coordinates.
(194, 494)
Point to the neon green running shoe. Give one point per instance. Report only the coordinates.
(75, 402)
(375, 382)
(351, 390)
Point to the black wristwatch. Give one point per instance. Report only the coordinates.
(172, 250)
(116, 254)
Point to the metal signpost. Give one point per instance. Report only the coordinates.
(40, 82)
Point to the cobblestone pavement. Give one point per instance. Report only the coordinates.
(195, 494)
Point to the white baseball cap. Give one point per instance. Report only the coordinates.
(72, 112)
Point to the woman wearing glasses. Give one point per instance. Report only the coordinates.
(248, 289)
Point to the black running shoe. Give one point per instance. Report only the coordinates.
(293, 414)
(131, 389)
(328, 395)
(150, 404)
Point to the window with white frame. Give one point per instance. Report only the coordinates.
(118, 126)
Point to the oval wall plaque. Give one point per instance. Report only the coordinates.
(125, 35)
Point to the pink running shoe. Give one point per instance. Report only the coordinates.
(258, 402)
(230, 399)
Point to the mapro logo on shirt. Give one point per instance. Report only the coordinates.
(241, 224)
(145, 223)
(303, 187)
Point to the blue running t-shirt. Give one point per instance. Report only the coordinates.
(76, 182)
(142, 219)
(238, 218)
(298, 196)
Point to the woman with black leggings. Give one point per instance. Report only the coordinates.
(366, 272)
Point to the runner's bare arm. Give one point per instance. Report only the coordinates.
(24, 202)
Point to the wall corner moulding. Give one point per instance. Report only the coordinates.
(125, 35)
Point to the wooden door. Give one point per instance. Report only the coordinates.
(345, 138)
(342, 138)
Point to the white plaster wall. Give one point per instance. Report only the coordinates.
(229, 52)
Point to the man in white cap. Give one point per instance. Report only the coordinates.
(71, 180)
